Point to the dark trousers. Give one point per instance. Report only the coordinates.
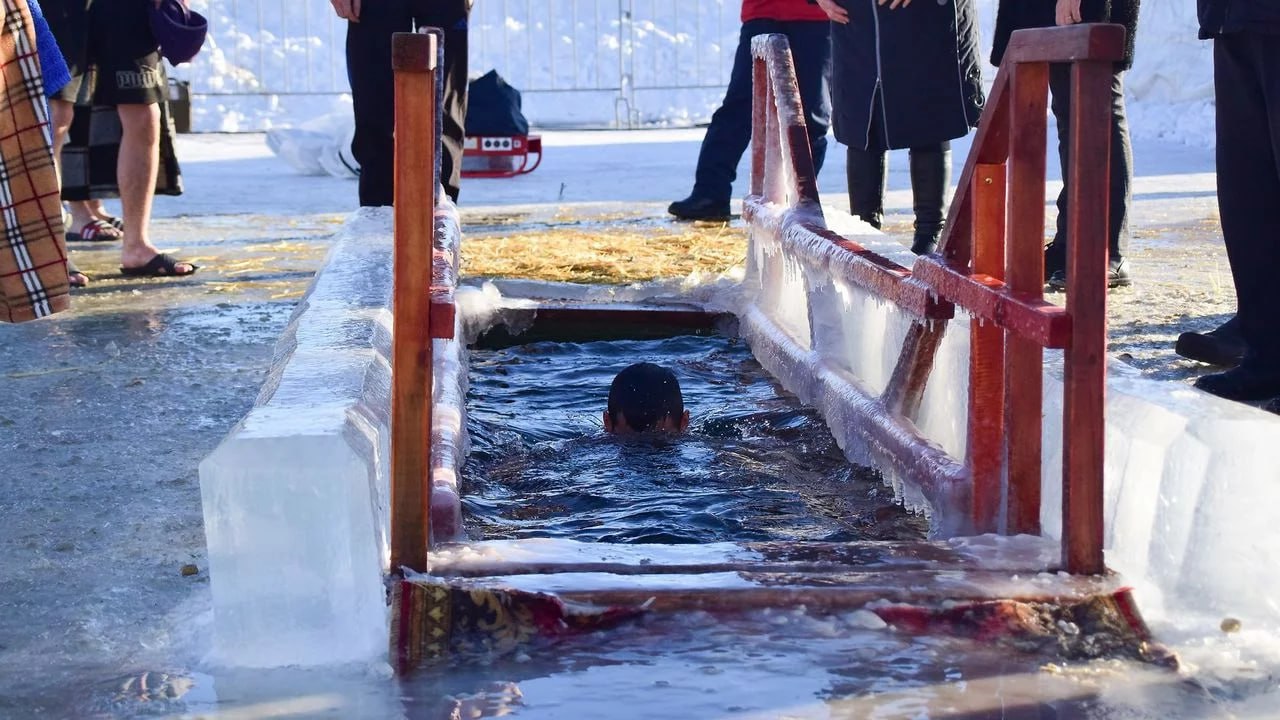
(1246, 69)
(1121, 159)
(730, 130)
(373, 89)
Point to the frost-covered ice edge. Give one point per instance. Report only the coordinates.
(284, 62)
(1191, 480)
(295, 499)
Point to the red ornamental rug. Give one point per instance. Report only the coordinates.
(432, 620)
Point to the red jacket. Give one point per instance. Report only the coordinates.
(781, 10)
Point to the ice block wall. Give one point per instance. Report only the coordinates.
(1192, 482)
(296, 497)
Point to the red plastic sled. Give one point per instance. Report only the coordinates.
(500, 156)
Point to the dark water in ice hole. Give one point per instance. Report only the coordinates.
(754, 465)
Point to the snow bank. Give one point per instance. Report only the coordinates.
(603, 63)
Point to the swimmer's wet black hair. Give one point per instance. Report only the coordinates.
(645, 394)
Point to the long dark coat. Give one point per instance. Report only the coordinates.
(1022, 14)
(1232, 16)
(917, 66)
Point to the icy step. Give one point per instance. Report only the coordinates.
(1018, 555)
(822, 591)
(742, 576)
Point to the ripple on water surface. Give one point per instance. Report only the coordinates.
(755, 464)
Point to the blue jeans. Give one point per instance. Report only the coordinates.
(729, 134)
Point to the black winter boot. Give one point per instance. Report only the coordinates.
(930, 175)
(867, 173)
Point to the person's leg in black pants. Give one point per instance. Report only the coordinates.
(1121, 179)
(727, 136)
(1247, 89)
(373, 89)
(450, 16)
(867, 171)
(811, 53)
(373, 96)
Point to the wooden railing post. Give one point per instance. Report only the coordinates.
(759, 143)
(415, 59)
(986, 441)
(1024, 361)
(1084, 398)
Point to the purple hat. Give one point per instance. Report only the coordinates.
(179, 31)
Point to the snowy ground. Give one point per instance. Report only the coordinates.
(607, 63)
(108, 408)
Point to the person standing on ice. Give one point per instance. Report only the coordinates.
(906, 75)
(1019, 14)
(116, 60)
(369, 28)
(1246, 82)
(729, 133)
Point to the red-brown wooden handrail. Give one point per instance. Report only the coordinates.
(989, 262)
(424, 267)
(415, 60)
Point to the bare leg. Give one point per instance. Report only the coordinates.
(98, 210)
(136, 174)
(60, 114)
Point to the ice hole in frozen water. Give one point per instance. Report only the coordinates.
(755, 463)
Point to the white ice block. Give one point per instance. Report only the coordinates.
(295, 503)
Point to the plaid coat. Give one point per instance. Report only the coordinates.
(33, 260)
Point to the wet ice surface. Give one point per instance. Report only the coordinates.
(755, 464)
(107, 410)
(769, 664)
(99, 501)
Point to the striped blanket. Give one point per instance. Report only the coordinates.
(33, 260)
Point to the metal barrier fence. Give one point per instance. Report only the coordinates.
(598, 63)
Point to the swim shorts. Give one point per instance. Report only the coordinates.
(120, 57)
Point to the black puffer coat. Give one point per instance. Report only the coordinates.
(1231, 16)
(923, 59)
(1022, 14)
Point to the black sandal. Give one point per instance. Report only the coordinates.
(162, 265)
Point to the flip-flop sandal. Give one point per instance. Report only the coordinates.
(95, 231)
(115, 222)
(162, 265)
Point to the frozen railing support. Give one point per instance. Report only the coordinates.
(424, 267)
(990, 262)
(782, 166)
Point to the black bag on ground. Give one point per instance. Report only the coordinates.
(493, 107)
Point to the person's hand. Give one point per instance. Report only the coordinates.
(834, 11)
(347, 9)
(895, 4)
(1068, 12)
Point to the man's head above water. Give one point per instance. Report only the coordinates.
(645, 398)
